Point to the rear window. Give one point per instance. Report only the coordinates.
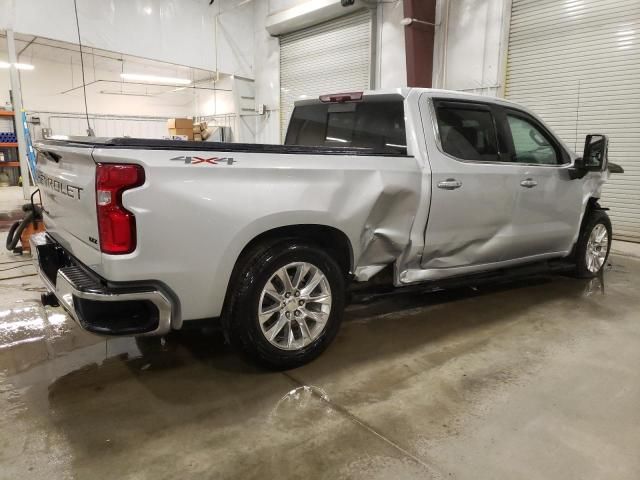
(376, 123)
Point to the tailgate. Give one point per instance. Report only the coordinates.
(66, 178)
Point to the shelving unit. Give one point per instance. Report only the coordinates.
(10, 149)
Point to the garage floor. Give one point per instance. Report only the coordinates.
(534, 379)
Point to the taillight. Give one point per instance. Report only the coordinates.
(117, 225)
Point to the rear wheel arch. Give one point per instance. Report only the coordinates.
(321, 252)
(332, 240)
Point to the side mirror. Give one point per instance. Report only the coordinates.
(594, 158)
(615, 168)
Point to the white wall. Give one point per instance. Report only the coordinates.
(218, 102)
(43, 87)
(182, 32)
(470, 47)
(391, 65)
(267, 71)
(43, 92)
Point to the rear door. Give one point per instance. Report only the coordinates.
(473, 194)
(66, 178)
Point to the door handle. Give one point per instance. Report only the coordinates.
(528, 183)
(450, 184)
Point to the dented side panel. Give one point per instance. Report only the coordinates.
(198, 217)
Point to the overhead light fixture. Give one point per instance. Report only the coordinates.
(131, 94)
(19, 66)
(154, 79)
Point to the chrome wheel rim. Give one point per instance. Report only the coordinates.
(597, 248)
(294, 306)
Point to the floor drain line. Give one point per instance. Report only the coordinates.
(364, 425)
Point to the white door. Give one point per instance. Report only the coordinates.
(331, 57)
(576, 64)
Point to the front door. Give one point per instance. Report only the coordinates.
(474, 196)
(549, 203)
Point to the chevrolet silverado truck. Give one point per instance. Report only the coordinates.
(144, 236)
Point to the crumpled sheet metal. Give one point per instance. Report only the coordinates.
(385, 235)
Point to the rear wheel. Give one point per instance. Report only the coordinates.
(593, 245)
(288, 304)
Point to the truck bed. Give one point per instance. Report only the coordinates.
(155, 144)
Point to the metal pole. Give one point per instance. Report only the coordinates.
(16, 93)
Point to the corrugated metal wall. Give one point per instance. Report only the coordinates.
(332, 57)
(577, 64)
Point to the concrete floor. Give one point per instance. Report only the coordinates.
(531, 379)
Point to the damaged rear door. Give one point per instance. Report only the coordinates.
(473, 194)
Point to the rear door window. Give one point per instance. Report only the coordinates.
(376, 123)
(467, 131)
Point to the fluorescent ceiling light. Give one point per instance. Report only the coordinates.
(132, 94)
(19, 66)
(153, 78)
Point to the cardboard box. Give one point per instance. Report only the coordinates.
(180, 123)
(187, 132)
(197, 137)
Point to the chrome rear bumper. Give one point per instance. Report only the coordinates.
(97, 305)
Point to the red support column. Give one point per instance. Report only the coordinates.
(419, 39)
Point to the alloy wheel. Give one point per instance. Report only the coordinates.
(597, 248)
(294, 306)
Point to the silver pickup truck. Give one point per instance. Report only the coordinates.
(144, 236)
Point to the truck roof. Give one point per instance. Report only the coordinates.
(432, 92)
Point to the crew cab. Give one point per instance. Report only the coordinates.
(144, 236)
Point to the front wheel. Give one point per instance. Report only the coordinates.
(288, 304)
(593, 245)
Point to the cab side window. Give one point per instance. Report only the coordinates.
(467, 133)
(530, 143)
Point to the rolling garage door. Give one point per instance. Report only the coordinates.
(331, 57)
(577, 64)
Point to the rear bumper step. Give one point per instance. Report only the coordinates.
(95, 304)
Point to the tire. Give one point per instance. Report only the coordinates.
(260, 284)
(585, 265)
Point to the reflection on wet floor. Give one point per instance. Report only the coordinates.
(8, 218)
(79, 405)
(29, 322)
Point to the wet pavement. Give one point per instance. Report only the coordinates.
(536, 379)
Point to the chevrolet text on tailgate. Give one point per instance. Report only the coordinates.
(144, 236)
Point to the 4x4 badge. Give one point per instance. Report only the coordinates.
(209, 160)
